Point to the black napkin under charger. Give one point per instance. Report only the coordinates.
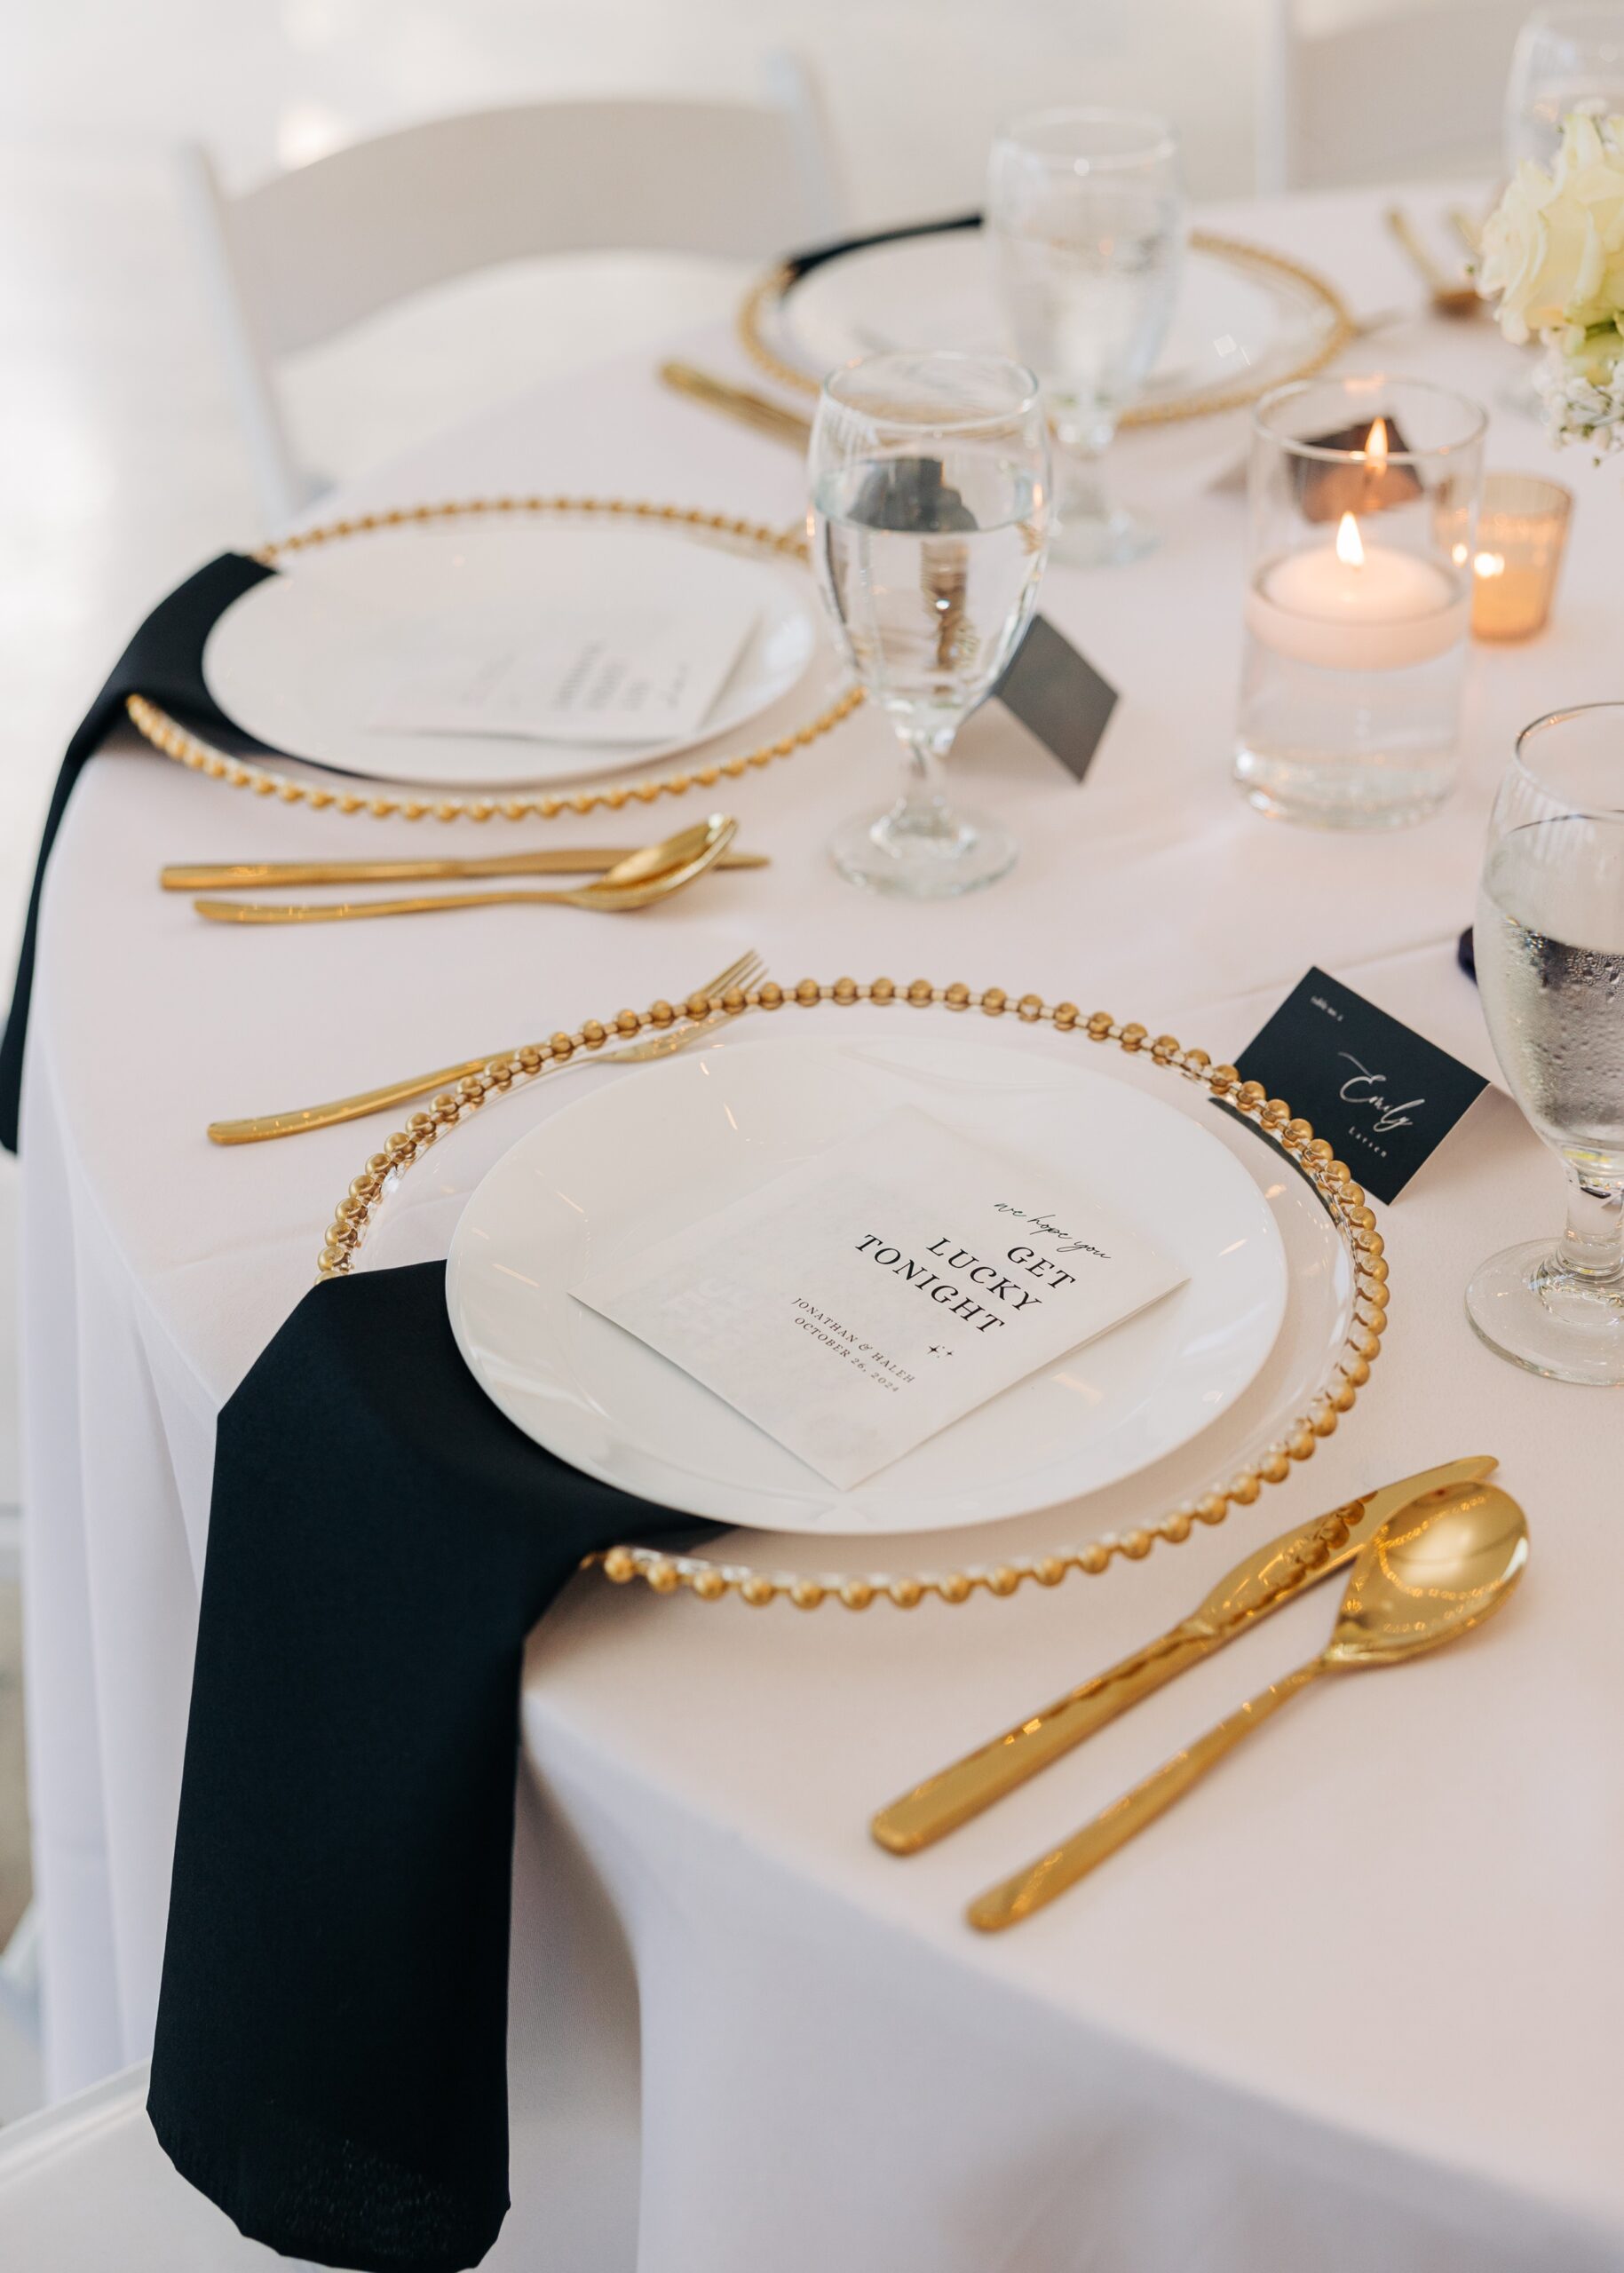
(164, 662)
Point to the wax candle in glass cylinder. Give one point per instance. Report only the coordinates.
(1363, 495)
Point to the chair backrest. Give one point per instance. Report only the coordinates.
(1411, 91)
(312, 251)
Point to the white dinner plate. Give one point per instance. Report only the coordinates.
(678, 1141)
(303, 660)
(1238, 321)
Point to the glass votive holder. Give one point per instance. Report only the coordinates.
(1522, 535)
(1363, 497)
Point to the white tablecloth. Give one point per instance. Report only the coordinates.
(1359, 2002)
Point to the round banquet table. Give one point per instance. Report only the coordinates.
(1359, 2001)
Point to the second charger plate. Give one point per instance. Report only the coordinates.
(680, 1140)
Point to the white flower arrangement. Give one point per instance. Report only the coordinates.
(1553, 256)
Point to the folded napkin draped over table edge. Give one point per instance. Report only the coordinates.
(330, 2062)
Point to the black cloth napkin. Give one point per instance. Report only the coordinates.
(164, 662)
(330, 2060)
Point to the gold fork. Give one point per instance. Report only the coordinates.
(743, 973)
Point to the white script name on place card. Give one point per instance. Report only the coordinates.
(863, 1301)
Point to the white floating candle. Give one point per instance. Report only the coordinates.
(1354, 607)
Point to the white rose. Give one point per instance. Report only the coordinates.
(1553, 249)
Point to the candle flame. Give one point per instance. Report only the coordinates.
(1489, 563)
(1350, 551)
(1375, 445)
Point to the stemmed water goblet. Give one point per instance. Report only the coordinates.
(1568, 57)
(1085, 214)
(1549, 951)
(929, 523)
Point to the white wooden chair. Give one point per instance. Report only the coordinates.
(312, 251)
(1408, 91)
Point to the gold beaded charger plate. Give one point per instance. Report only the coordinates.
(780, 735)
(317, 662)
(599, 1181)
(1246, 318)
(1336, 1311)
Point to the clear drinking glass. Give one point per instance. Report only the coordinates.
(1085, 213)
(1567, 58)
(930, 526)
(1549, 946)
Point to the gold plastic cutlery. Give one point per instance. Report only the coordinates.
(743, 973)
(1450, 296)
(655, 871)
(740, 403)
(1271, 1575)
(556, 860)
(1432, 1572)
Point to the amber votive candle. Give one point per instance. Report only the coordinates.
(1522, 532)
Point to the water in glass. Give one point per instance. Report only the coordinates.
(1086, 222)
(930, 588)
(1549, 946)
(929, 522)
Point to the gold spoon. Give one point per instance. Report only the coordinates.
(1436, 1567)
(653, 872)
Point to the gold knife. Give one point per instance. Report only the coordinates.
(1267, 1578)
(557, 860)
(742, 403)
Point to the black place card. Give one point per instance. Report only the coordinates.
(1057, 695)
(1380, 1093)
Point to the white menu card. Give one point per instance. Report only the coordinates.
(633, 672)
(862, 1301)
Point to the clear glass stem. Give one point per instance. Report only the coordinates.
(1081, 494)
(921, 846)
(1592, 1247)
(1091, 530)
(922, 811)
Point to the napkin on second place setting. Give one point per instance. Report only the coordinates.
(330, 2064)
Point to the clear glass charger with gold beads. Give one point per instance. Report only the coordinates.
(1334, 1307)
(301, 660)
(1247, 318)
